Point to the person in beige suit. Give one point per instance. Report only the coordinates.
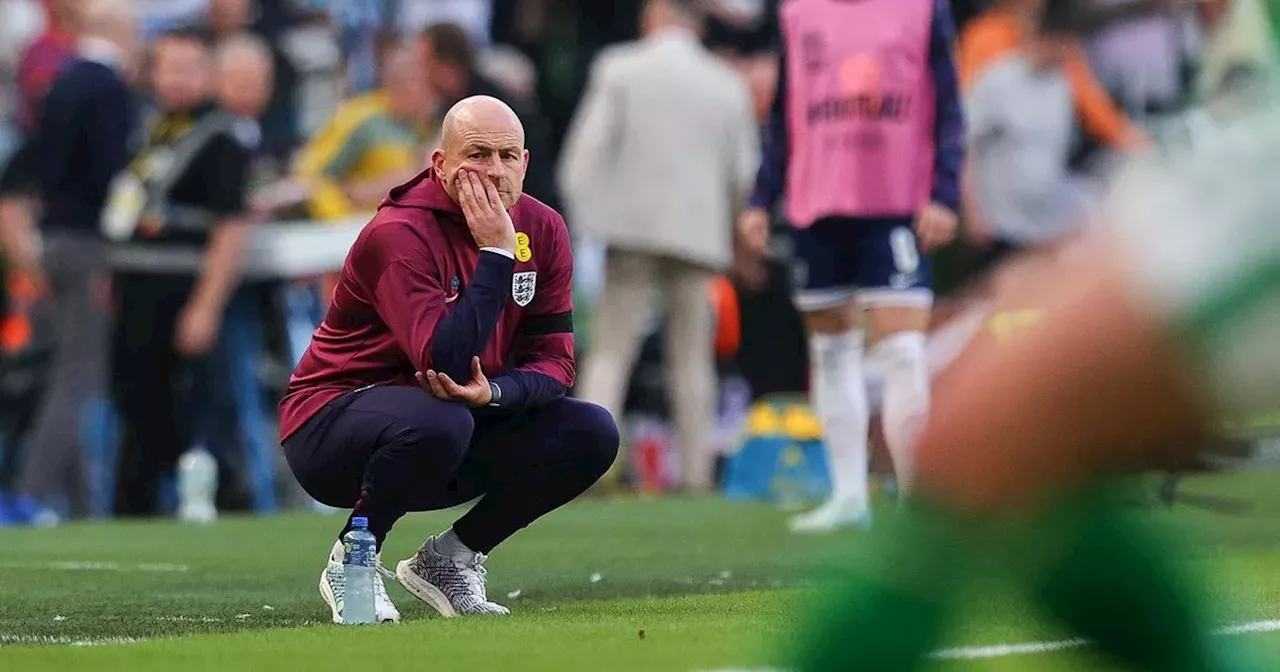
(657, 164)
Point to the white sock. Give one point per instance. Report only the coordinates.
(906, 399)
(840, 400)
(448, 544)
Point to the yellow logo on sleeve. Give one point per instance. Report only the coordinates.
(523, 253)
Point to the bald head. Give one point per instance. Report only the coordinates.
(480, 113)
(484, 135)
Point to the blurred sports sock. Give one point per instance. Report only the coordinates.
(448, 544)
(840, 398)
(887, 617)
(1117, 582)
(906, 399)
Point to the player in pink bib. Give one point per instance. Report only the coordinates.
(866, 140)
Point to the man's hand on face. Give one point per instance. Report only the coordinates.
(488, 219)
(475, 393)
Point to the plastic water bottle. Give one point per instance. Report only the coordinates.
(197, 487)
(358, 562)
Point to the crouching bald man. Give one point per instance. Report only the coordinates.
(440, 373)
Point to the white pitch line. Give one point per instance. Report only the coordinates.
(1007, 650)
(66, 641)
(91, 566)
(1249, 628)
(1036, 648)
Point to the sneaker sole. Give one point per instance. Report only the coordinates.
(421, 589)
(327, 593)
(388, 619)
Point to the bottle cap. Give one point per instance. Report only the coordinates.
(360, 521)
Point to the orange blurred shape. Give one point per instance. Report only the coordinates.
(15, 328)
(728, 318)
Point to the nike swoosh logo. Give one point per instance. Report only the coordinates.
(451, 299)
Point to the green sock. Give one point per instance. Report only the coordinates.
(1116, 582)
(887, 616)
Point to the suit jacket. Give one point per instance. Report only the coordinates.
(663, 151)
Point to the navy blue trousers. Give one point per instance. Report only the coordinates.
(389, 450)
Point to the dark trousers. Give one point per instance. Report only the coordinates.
(56, 467)
(388, 450)
(156, 389)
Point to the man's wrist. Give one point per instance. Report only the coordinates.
(495, 395)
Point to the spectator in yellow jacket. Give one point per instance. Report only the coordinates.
(374, 142)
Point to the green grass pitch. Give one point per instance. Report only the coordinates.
(671, 584)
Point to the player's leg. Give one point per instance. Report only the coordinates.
(1089, 388)
(381, 452)
(897, 298)
(691, 374)
(826, 287)
(523, 466)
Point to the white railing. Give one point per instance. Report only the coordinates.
(300, 248)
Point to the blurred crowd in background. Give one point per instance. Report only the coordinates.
(334, 102)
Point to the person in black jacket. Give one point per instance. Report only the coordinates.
(449, 58)
(176, 265)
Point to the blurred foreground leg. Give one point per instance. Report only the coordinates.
(1089, 389)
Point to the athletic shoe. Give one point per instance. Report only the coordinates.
(447, 585)
(333, 583)
(22, 510)
(833, 515)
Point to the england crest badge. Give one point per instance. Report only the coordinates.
(523, 286)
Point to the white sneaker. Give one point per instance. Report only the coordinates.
(832, 516)
(449, 586)
(333, 583)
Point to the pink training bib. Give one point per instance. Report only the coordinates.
(860, 108)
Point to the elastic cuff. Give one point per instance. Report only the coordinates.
(498, 250)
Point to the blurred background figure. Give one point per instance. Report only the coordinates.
(868, 153)
(281, 130)
(36, 41)
(1020, 115)
(660, 159)
(177, 263)
(48, 45)
(234, 422)
(373, 142)
(1005, 26)
(80, 144)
